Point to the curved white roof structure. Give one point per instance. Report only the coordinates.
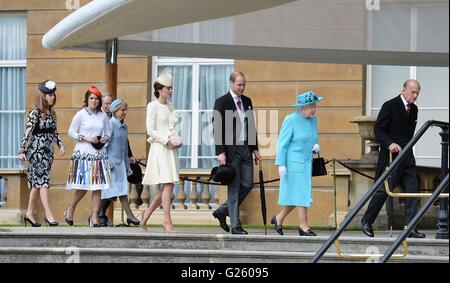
(396, 32)
(106, 19)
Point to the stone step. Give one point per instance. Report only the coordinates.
(189, 241)
(125, 255)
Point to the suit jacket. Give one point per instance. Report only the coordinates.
(226, 119)
(394, 125)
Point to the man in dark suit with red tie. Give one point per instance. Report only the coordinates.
(394, 128)
(236, 141)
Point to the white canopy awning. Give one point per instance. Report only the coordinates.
(107, 19)
(398, 32)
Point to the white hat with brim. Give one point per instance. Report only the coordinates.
(307, 98)
(165, 79)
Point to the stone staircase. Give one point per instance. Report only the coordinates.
(79, 244)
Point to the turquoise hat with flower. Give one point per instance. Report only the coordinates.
(307, 98)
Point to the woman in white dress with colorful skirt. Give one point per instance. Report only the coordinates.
(162, 163)
(89, 165)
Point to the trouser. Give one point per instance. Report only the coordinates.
(406, 177)
(241, 186)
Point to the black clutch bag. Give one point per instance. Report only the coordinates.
(318, 167)
(98, 145)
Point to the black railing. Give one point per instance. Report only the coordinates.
(379, 182)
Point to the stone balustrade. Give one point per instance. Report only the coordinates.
(140, 195)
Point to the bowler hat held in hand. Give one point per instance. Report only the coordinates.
(223, 174)
(136, 176)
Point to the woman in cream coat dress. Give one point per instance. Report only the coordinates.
(162, 165)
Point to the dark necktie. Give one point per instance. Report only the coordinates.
(239, 104)
(408, 108)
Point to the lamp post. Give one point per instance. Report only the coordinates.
(442, 225)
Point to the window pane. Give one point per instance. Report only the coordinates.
(184, 129)
(2, 191)
(12, 98)
(206, 140)
(13, 36)
(387, 82)
(11, 131)
(433, 105)
(213, 83)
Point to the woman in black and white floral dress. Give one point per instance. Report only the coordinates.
(37, 147)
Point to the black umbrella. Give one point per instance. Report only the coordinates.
(262, 194)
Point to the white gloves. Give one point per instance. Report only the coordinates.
(282, 170)
(316, 148)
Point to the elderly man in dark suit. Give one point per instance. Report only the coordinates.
(236, 141)
(394, 128)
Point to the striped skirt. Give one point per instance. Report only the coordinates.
(89, 169)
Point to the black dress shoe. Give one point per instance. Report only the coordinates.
(278, 228)
(367, 228)
(222, 220)
(306, 233)
(238, 231)
(416, 234)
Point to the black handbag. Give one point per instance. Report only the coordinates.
(318, 166)
(136, 176)
(98, 145)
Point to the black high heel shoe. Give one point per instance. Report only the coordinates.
(33, 224)
(278, 228)
(52, 224)
(68, 221)
(131, 221)
(92, 224)
(306, 233)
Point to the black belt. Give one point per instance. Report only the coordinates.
(43, 131)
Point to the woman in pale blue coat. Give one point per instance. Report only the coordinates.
(297, 142)
(117, 150)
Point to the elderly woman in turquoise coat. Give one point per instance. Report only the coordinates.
(117, 150)
(297, 142)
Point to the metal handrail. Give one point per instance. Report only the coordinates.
(389, 191)
(378, 183)
(367, 256)
(442, 186)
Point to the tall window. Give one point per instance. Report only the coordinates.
(385, 82)
(197, 83)
(12, 87)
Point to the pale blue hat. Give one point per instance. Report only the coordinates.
(115, 104)
(307, 98)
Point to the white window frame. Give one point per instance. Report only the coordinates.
(195, 63)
